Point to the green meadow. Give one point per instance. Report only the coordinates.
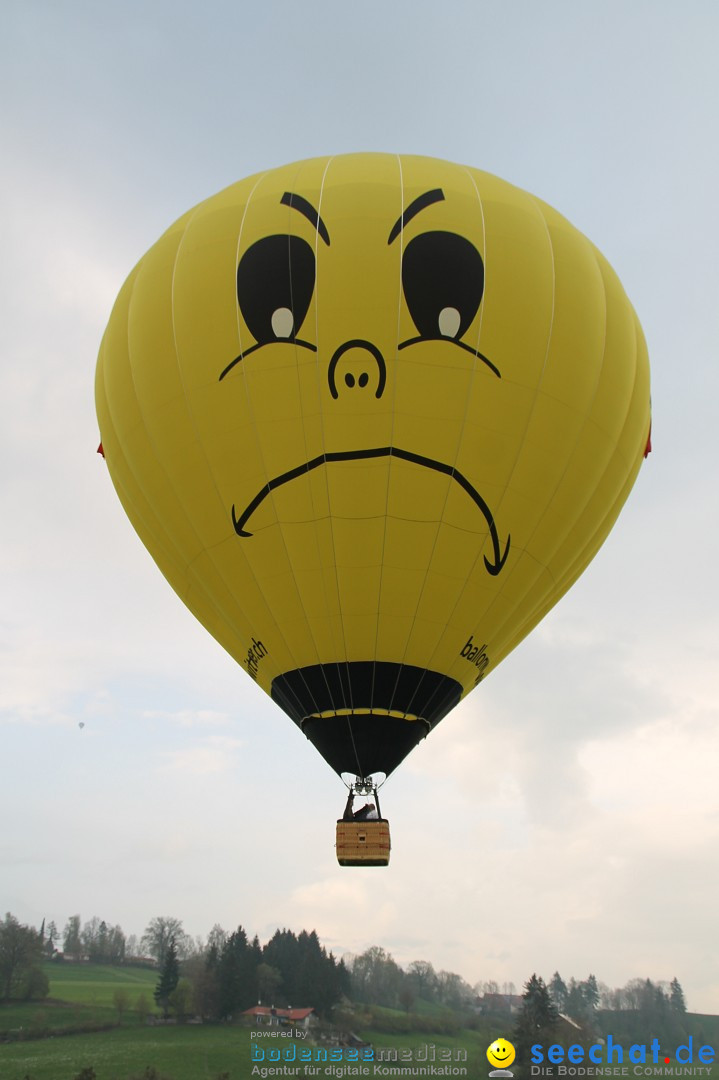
(81, 996)
(193, 1052)
(77, 1034)
(116, 1048)
(96, 984)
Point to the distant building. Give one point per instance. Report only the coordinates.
(501, 1003)
(266, 1014)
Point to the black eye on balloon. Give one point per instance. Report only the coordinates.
(443, 282)
(275, 282)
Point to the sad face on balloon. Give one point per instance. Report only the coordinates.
(380, 313)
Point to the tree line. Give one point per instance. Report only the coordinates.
(216, 979)
(230, 972)
(233, 973)
(580, 1000)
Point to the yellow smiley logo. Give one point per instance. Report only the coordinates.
(500, 1054)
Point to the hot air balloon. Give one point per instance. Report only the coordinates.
(372, 415)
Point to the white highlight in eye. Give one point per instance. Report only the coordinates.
(283, 322)
(449, 320)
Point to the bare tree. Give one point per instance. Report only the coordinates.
(121, 1001)
(159, 932)
(423, 979)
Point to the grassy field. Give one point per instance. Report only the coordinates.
(128, 1049)
(81, 996)
(95, 984)
(182, 1053)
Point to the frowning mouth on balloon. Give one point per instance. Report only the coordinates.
(493, 565)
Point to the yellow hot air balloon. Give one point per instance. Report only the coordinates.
(372, 415)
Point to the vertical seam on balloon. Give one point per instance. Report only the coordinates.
(441, 636)
(261, 459)
(558, 589)
(234, 601)
(322, 666)
(167, 549)
(304, 434)
(632, 465)
(496, 600)
(158, 531)
(330, 522)
(518, 454)
(129, 469)
(592, 546)
(208, 602)
(569, 458)
(344, 702)
(211, 603)
(391, 443)
(500, 591)
(570, 455)
(123, 471)
(257, 441)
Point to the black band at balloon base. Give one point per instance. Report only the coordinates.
(364, 717)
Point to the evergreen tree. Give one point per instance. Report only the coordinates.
(576, 1004)
(236, 974)
(269, 981)
(169, 978)
(590, 989)
(676, 996)
(282, 953)
(310, 976)
(537, 1018)
(205, 991)
(558, 992)
(51, 936)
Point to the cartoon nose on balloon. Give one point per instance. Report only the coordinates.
(357, 367)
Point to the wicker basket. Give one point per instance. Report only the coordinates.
(363, 843)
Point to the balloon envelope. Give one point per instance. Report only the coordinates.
(372, 416)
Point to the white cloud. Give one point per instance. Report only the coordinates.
(215, 754)
(187, 718)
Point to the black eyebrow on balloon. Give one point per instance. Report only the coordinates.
(306, 208)
(420, 203)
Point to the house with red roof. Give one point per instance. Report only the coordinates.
(266, 1014)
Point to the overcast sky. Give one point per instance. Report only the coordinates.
(566, 815)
